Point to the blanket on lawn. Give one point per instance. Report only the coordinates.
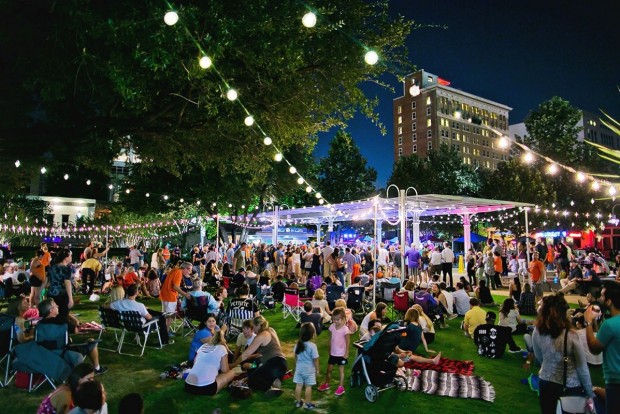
(451, 366)
(452, 385)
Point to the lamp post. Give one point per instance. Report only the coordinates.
(276, 218)
(613, 219)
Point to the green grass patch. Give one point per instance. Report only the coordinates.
(134, 374)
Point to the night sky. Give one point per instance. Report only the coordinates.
(518, 53)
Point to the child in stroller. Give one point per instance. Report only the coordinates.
(377, 365)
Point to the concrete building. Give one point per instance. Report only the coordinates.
(431, 113)
(66, 210)
(593, 130)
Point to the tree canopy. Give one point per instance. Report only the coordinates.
(104, 76)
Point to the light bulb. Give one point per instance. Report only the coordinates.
(292, 170)
(321, 201)
(249, 120)
(503, 142)
(552, 169)
(205, 62)
(528, 157)
(171, 18)
(198, 202)
(308, 189)
(278, 157)
(87, 182)
(371, 57)
(165, 197)
(612, 190)
(111, 187)
(309, 20)
(43, 170)
(318, 195)
(300, 180)
(231, 94)
(17, 164)
(581, 177)
(147, 194)
(267, 141)
(596, 186)
(66, 176)
(182, 200)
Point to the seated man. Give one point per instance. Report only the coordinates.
(474, 317)
(74, 355)
(491, 339)
(277, 289)
(130, 304)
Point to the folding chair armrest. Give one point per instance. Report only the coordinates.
(149, 323)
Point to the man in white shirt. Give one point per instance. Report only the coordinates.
(382, 258)
(435, 262)
(447, 258)
(461, 300)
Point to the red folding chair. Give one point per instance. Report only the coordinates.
(401, 302)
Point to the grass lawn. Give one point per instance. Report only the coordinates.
(134, 374)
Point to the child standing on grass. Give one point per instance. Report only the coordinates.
(306, 365)
(338, 349)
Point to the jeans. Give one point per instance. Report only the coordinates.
(550, 392)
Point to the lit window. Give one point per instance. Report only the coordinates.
(428, 100)
(415, 149)
(400, 130)
(429, 133)
(414, 126)
(428, 111)
(429, 122)
(413, 105)
(400, 119)
(400, 109)
(400, 140)
(413, 116)
(414, 137)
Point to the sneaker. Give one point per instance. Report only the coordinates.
(339, 391)
(273, 392)
(453, 316)
(299, 404)
(101, 370)
(310, 406)
(324, 387)
(515, 351)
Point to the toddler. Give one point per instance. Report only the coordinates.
(338, 349)
(306, 365)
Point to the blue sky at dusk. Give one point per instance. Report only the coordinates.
(518, 53)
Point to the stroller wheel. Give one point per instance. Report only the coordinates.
(400, 383)
(371, 392)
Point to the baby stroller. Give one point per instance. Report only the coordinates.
(373, 365)
(265, 298)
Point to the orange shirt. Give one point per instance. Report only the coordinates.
(536, 269)
(497, 263)
(46, 259)
(39, 272)
(167, 293)
(130, 278)
(166, 254)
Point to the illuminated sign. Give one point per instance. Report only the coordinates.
(551, 234)
(574, 235)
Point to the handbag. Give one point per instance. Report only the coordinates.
(569, 404)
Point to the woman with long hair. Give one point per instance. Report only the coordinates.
(60, 287)
(553, 330)
(379, 313)
(414, 336)
(60, 401)
(210, 373)
(268, 376)
(509, 316)
(426, 324)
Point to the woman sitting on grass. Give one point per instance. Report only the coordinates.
(409, 343)
(318, 301)
(509, 316)
(210, 373)
(426, 324)
(483, 293)
(206, 329)
(378, 313)
(60, 401)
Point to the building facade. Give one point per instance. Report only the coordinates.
(431, 113)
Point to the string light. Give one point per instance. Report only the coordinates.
(171, 18)
(309, 20)
(581, 177)
(371, 57)
(232, 94)
(528, 157)
(292, 170)
(66, 177)
(248, 121)
(267, 141)
(43, 170)
(278, 157)
(88, 182)
(205, 62)
(17, 164)
(300, 180)
(552, 169)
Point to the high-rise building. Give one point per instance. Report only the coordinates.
(431, 113)
(593, 130)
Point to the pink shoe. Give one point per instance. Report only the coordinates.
(324, 387)
(339, 391)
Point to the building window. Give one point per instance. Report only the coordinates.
(413, 105)
(414, 137)
(415, 149)
(400, 130)
(428, 111)
(429, 133)
(414, 127)
(429, 122)
(400, 140)
(413, 116)
(428, 100)
(400, 152)
(430, 145)
(65, 220)
(400, 119)
(400, 109)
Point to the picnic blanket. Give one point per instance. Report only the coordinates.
(451, 366)
(452, 385)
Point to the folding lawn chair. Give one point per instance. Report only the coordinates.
(111, 321)
(292, 305)
(132, 322)
(401, 303)
(334, 292)
(7, 339)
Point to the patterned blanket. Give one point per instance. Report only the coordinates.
(452, 385)
(451, 366)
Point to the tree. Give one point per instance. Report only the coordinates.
(552, 130)
(512, 180)
(106, 76)
(344, 174)
(443, 172)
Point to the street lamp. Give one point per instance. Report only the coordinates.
(613, 219)
(276, 210)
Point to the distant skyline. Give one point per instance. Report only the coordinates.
(517, 53)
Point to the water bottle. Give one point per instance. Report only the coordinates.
(555, 280)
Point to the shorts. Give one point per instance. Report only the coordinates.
(305, 375)
(337, 360)
(168, 307)
(210, 389)
(538, 289)
(35, 281)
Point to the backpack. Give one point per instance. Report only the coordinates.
(208, 301)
